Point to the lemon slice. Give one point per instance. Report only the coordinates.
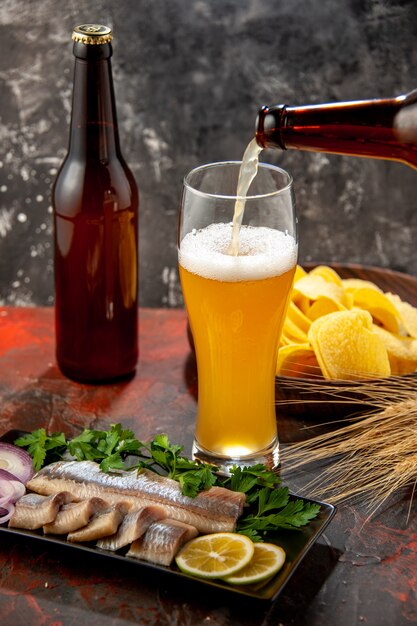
(216, 555)
(267, 560)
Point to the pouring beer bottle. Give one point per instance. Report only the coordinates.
(379, 128)
(95, 202)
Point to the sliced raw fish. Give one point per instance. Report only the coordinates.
(213, 510)
(162, 541)
(74, 515)
(32, 511)
(102, 524)
(133, 526)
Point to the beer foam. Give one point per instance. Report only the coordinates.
(263, 252)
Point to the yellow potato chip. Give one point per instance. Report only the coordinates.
(352, 284)
(379, 306)
(348, 300)
(291, 333)
(407, 313)
(346, 346)
(399, 367)
(298, 360)
(323, 306)
(402, 348)
(299, 273)
(328, 273)
(312, 287)
(301, 302)
(298, 317)
(313, 339)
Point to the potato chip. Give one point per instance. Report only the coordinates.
(291, 333)
(299, 273)
(407, 313)
(328, 273)
(309, 288)
(352, 284)
(298, 360)
(314, 286)
(348, 300)
(313, 340)
(379, 306)
(323, 306)
(400, 367)
(402, 348)
(346, 346)
(298, 317)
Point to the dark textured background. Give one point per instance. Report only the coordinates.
(189, 77)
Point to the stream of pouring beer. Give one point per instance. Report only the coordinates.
(247, 173)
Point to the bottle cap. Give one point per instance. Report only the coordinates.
(92, 34)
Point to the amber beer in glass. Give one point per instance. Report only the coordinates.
(236, 306)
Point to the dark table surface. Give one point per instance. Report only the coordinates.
(359, 572)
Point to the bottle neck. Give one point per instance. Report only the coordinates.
(94, 134)
(361, 128)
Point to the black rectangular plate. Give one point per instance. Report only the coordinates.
(295, 543)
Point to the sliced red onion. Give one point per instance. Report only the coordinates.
(11, 489)
(6, 512)
(7, 492)
(8, 475)
(18, 487)
(16, 461)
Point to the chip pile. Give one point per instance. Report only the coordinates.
(345, 329)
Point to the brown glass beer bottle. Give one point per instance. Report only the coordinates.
(380, 128)
(95, 202)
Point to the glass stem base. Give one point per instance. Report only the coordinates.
(268, 456)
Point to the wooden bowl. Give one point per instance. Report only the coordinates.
(326, 400)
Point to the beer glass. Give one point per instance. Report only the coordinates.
(236, 306)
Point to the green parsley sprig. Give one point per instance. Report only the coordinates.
(43, 448)
(271, 508)
(118, 448)
(269, 505)
(193, 476)
(275, 511)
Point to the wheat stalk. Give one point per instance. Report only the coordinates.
(371, 455)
